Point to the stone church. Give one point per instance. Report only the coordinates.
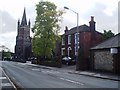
(23, 39)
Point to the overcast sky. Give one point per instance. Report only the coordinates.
(105, 13)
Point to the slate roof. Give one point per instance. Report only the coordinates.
(80, 29)
(112, 42)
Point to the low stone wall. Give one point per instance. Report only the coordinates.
(103, 60)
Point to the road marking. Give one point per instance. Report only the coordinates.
(54, 72)
(9, 80)
(71, 81)
(21, 63)
(3, 78)
(50, 71)
(36, 69)
(5, 84)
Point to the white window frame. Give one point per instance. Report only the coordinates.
(76, 35)
(69, 48)
(62, 51)
(69, 39)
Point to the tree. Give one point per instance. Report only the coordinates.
(107, 34)
(5, 52)
(46, 28)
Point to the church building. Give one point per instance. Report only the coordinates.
(23, 39)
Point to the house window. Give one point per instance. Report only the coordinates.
(63, 51)
(63, 40)
(69, 51)
(76, 38)
(69, 39)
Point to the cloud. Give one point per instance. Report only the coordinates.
(103, 20)
(8, 39)
(8, 23)
(119, 17)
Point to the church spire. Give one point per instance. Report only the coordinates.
(24, 20)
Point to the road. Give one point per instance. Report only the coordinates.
(28, 76)
(5, 82)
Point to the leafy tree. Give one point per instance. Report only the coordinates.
(107, 34)
(6, 54)
(46, 28)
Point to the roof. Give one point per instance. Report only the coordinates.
(81, 28)
(109, 43)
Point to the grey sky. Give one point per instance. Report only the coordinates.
(104, 11)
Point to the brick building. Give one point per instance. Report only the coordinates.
(87, 37)
(23, 39)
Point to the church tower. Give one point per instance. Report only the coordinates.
(23, 39)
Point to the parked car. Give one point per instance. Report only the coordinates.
(33, 60)
(68, 60)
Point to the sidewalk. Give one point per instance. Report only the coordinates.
(98, 75)
(108, 76)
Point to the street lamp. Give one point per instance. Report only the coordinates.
(77, 64)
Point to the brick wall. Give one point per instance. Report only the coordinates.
(103, 60)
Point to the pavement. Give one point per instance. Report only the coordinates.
(101, 75)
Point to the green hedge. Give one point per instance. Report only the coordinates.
(53, 62)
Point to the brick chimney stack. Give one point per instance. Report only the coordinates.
(92, 24)
(66, 28)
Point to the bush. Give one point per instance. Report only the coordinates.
(53, 62)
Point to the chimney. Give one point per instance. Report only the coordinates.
(92, 29)
(92, 18)
(66, 29)
(92, 24)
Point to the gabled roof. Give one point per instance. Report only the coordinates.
(112, 42)
(81, 28)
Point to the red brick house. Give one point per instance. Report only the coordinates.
(87, 38)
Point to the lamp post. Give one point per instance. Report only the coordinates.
(77, 64)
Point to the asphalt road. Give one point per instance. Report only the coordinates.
(28, 76)
(5, 82)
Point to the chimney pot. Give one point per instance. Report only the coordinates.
(92, 18)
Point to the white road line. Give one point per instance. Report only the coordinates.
(5, 84)
(71, 81)
(9, 80)
(21, 63)
(53, 72)
(36, 69)
(3, 78)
